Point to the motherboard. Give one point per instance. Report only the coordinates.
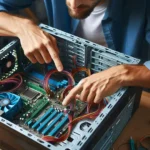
(27, 104)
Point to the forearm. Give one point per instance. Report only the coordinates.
(37, 45)
(10, 25)
(136, 76)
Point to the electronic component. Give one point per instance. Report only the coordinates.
(30, 94)
(38, 107)
(36, 87)
(55, 84)
(43, 118)
(10, 104)
(8, 63)
(38, 122)
(59, 126)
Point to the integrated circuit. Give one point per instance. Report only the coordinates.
(30, 94)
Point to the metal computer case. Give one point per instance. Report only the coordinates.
(104, 130)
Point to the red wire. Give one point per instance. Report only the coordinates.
(16, 78)
(47, 77)
(72, 122)
(65, 92)
(81, 69)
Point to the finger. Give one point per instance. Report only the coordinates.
(38, 57)
(77, 96)
(72, 94)
(55, 44)
(55, 57)
(45, 54)
(32, 58)
(84, 94)
(98, 97)
(91, 96)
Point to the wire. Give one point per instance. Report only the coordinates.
(65, 92)
(144, 138)
(81, 69)
(15, 79)
(122, 145)
(46, 86)
(72, 121)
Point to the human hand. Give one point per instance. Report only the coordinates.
(38, 45)
(97, 86)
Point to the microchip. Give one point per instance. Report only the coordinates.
(30, 94)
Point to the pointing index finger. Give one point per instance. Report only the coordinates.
(72, 94)
(54, 55)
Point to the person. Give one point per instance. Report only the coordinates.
(123, 25)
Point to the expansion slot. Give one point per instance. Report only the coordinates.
(55, 84)
(47, 121)
(59, 126)
(42, 118)
(36, 87)
(32, 110)
(39, 109)
(58, 117)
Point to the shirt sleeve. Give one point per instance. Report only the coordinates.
(12, 5)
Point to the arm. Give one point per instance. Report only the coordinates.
(105, 83)
(97, 86)
(136, 76)
(38, 45)
(10, 25)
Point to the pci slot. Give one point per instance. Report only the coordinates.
(37, 111)
(40, 128)
(42, 118)
(59, 126)
(58, 117)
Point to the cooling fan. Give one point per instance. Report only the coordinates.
(8, 64)
(10, 104)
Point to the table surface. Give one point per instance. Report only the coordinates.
(138, 126)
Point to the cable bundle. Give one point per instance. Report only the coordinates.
(16, 79)
(72, 120)
(46, 86)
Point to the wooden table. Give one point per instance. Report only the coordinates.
(138, 126)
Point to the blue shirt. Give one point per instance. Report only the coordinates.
(126, 23)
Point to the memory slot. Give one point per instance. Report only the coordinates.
(33, 77)
(40, 108)
(59, 126)
(54, 83)
(58, 117)
(42, 125)
(33, 109)
(42, 118)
